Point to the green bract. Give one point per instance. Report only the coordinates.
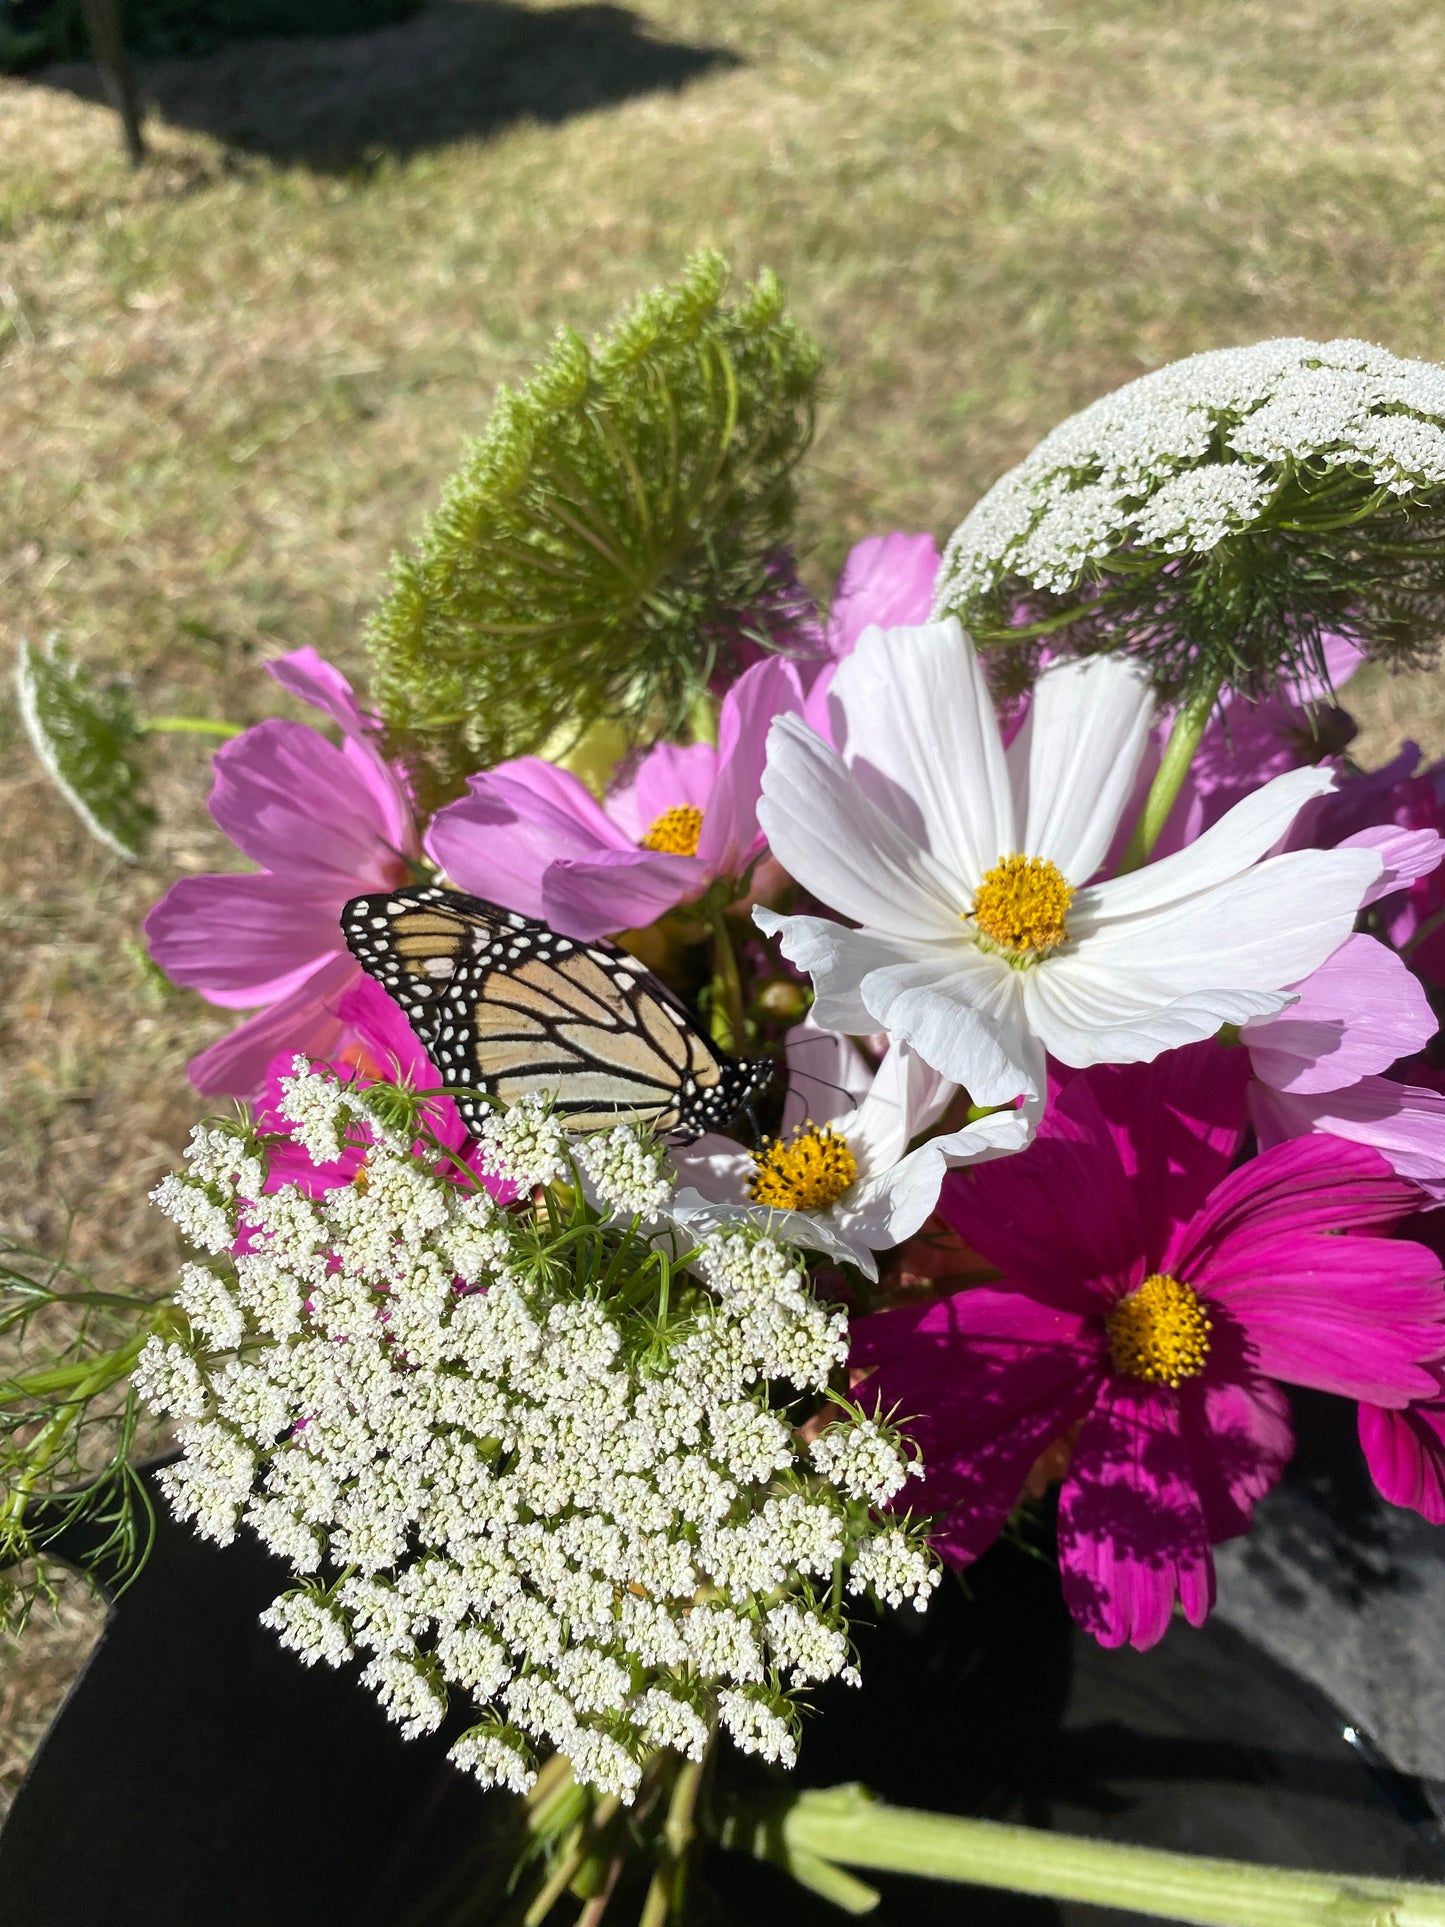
(610, 536)
(1220, 517)
(86, 734)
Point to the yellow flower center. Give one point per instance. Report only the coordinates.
(676, 831)
(1160, 1332)
(807, 1174)
(1022, 905)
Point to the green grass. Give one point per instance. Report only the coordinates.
(228, 386)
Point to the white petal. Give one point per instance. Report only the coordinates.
(1089, 728)
(1085, 1015)
(1263, 930)
(1240, 837)
(814, 1230)
(894, 1205)
(837, 959)
(842, 848)
(923, 741)
(962, 1011)
(828, 1076)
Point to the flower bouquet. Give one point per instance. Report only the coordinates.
(746, 1103)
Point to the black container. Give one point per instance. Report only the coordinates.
(199, 1776)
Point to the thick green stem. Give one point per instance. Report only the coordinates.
(1190, 724)
(190, 726)
(667, 1890)
(728, 984)
(94, 1376)
(842, 1824)
(565, 1871)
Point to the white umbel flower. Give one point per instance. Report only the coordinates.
(982, 939)
(1191, 453)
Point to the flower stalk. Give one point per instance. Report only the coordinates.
(843, 1824)
(1190, 723)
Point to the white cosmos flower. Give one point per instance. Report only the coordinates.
(981, 940)
(840, 1177)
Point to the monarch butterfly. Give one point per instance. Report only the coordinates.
(508, 1007)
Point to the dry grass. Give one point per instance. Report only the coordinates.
(230, 384)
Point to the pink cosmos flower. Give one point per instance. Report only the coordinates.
(1151, 1300)
(326, 822)
(887, 582)
(533, 837)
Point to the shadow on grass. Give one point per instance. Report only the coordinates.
(460, 69)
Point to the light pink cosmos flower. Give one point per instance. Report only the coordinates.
(533, 837)
(887, 583)
(326, 823)
(1151, 1300)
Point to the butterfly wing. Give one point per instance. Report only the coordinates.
(506, 1007)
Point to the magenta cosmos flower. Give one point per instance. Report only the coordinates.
(533, 837)
(326, 822)
(1151, 1300)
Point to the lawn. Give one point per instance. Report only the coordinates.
(231, 384)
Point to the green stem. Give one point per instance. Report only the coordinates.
(563, 1874)
(190, 726)
(728, 980)
(37, 1456)
(844, 1824)
(1190, 724)
(667, 1889)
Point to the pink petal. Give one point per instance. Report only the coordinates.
(315, 681)
(302, 807)
(672, 776)
(1405, 1123)
(247, 939)
(1405, 1452)
(987, 1381)
(887, 580)
(1355, 1015)
(307, 1020)
(730, 834)
(519, 818)
(1132, 1533)
(617, 890)
(1408, 855)
(1240, 1440)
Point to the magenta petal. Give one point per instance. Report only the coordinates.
(1408, 856)
(520, 817)
(887, 580)
(1132, 1534)
(310, 677)
(1405, 1123)
(730, 834)
(1405, 1452)
(1240, 1440)
(1355, 1015)
(307, 1020)
(993, 1379)
(302, 807)
(1356, 1315)
(243, 939)
(617, 890)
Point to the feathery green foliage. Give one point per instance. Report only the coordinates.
(610, 538)
(86, 734)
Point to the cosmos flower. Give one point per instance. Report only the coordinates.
(840, 1177)
(982, 940)
(326, 822)
(1151, 1300)
(533, 837)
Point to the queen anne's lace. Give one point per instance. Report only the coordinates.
(495, 1478)
(1183, 457)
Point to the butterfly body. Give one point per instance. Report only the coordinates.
(506, 1007)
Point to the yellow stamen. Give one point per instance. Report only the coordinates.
(1021, 906)
(808, 1174)
(1160, 1332)
(675, 832)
